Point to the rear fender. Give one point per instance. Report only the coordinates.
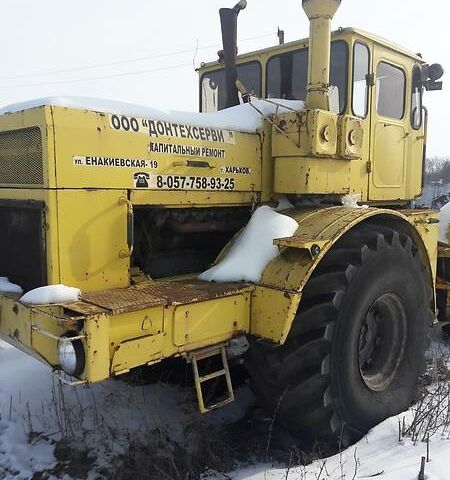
(276, 300)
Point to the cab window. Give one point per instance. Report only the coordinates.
(391, 84)
(416, 99)
(287, 75)
(361, 68)
(213, 90)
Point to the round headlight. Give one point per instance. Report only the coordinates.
(71, 356)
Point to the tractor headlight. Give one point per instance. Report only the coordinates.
(71, 356)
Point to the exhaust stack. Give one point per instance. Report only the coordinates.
(228, 20)
(320, 14)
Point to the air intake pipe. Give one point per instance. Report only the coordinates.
(228, 21)
(320, 14)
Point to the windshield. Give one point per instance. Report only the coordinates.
(287, 75)
(213, 95)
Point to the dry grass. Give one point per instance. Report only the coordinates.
(431, 411)
(154, 454)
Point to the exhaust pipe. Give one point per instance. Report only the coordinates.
(320, 14)
(228, 21)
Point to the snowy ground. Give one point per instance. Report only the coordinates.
(100, 423)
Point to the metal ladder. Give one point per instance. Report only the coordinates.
(198, 356)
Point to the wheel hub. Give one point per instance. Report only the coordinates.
(382, 341)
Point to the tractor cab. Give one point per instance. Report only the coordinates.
(374, 84)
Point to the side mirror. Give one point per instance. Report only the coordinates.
(430, 76)
(435, 72)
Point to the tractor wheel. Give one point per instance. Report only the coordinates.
(356, 348)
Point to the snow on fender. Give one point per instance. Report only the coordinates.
(351, 201)
(51, 294)
(253, 249)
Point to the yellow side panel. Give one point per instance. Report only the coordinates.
(92, 234)
(97, 367)
(429, 235)
(186, 199)
(132, 325)
(134, 353)
(15, 321)
(21, 326)
(94, 150)
(273, 312)
(305, 175)
(210, 320)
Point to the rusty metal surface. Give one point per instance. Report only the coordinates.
(83, 308)
(156, 294)
(417, 211)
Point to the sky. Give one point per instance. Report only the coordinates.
(144, 52)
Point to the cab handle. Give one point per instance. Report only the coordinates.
(192, 164)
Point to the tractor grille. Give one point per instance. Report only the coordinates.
(22, 243)
(21, 162)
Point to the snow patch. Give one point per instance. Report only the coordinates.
(284, 204)
(351, 201)
(21, 457)
(247, 118)
(378, 455)
(237, 347)
(444, 223)
(102, 417)
(51, 294)
(7, 287)
(253, 248)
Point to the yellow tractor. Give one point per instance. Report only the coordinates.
(129, 205)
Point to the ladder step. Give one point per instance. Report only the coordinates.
(219, 404)
(211, 376)
(204, 354)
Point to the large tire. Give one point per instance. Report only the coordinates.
(356, 348)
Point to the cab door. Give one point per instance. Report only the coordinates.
(389, 129)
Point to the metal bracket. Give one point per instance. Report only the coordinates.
(38, 329)
(59, 375)
(312, 245)
(130, 228)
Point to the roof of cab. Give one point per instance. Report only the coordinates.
(337, 33)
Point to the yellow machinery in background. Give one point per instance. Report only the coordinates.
(130, 208)
(443, 284)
